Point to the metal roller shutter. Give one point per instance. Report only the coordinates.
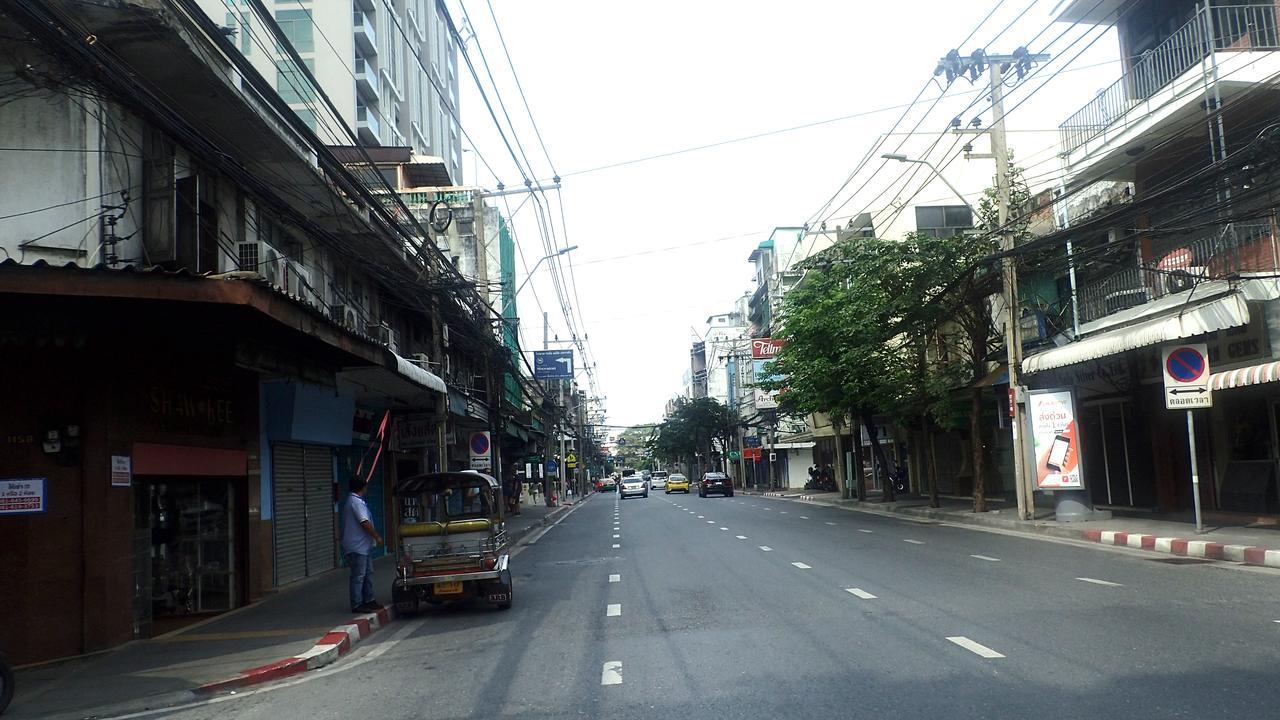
(288, 479)
(318, 462)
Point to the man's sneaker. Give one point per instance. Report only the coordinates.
(365, 608)
(375, 605)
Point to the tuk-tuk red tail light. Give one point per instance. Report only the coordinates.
(490, 562)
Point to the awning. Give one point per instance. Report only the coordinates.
(415, 373)
(1245, 376)
(397, 382)
(1219, 306)
(790, 446)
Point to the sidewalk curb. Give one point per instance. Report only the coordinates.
(333, 645)
(1244, 554)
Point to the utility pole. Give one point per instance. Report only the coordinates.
(996, 65)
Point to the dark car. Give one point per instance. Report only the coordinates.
(715, 482)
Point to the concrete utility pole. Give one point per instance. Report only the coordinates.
(996, 67)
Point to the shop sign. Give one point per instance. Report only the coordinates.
(121, 471)
(22, 496)
(1055, 438)
(765, 348)
(414, 432)
(480, 445)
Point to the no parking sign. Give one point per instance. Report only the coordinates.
(1186, 377)
(480, 459)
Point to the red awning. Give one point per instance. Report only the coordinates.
(156, 459)
(1245, 376)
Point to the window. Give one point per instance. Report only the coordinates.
(297, 27)
(943, 221)
(292, 85)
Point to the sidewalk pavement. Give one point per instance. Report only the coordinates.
(301, 627)
(1248, 544)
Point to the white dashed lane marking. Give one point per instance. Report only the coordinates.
(744, 537)
(766, 548)
(988, 558)
(1096, 581)
(710, 522)
(804, 517)
(616, 546)
(865, 531)
(976, 648)
(913, 542)
(802, 566)
(724, 528)
(859, 592)
(829, 523)
(615, 578)
(611, 673)
(614, 610)
(616, 536)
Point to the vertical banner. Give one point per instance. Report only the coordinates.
(1055, 439)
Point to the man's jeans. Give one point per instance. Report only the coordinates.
(361, 579)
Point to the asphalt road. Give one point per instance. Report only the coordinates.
(677, 606)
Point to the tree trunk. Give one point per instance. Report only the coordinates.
(881, 458)
(841, 485)
(859, 482)
(979, 453)
(934, 501)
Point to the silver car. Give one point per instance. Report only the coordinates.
(634, 485)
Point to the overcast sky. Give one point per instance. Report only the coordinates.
(664, 243)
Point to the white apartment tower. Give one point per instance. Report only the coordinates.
(390, 67)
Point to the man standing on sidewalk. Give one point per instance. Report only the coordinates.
(359, 538)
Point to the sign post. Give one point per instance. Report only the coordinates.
(1186, 387)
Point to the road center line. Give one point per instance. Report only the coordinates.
(615, 578)
(724, 528)
(702, 516)
(913, 542)
(802, 566)
(830, 523)
(870, 531)
(711, 522)
(988, 558)
(766, 548)
(744, 537)
(804, 517)
(614, 610)
(611, 673)
(859, 592)
(1096, 581)
(616, 546)
(975, 648)
(616, 536)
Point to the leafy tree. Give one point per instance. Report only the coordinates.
(695, 428)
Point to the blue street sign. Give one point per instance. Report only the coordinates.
(1185, 364)
(553, 364)
(552, 466)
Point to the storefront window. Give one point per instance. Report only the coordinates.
(192, 558)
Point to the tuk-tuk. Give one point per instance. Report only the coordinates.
(453, 541)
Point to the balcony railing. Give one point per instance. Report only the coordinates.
(1234, 27)
(1235, 247)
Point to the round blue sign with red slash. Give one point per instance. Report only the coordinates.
(1185, 365)
(479, 444)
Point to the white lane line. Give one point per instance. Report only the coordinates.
(802, 566)
(615, 578)
(616, 546)
(701, 516)
(724, 528)
(988, 558)
(614, 610)
(1096, 581)
(616, 536)
(860, 593)
(830, 523)
(744, 537)
(711, 522)
(611, 673)
(766, 548)
(784, 512)
(914, 542)
(975, 648)
(804, 517)
(865, 531)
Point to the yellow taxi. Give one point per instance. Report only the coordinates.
(677, 483)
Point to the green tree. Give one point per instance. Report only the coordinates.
(695, 429)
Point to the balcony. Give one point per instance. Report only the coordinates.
(1181, 264)
(366, 80)
(367, 126)
(366, 38)
(1173, 71)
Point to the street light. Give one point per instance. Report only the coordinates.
(903, 158)
(544, 258)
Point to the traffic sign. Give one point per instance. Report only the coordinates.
(1186, 377)
(552, 466)
(480, 446)
(734, 455)
(571, 461)
(553, 364)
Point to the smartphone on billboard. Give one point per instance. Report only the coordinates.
(1058, 453)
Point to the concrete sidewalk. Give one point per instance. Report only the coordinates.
(302, 626)
(1252, 545)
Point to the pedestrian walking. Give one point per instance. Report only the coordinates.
(359, 538)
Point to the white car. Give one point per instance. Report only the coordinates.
(634, 485)
(658, 481)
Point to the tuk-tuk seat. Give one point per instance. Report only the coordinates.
(428, 529)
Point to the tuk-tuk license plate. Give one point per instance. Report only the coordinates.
(452, 587)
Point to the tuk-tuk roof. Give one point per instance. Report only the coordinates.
(430, 482)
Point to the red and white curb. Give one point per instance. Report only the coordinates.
(1247, 554)
(335, 643)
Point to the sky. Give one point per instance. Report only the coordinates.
(662, 244)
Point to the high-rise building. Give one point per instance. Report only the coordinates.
(389, 66)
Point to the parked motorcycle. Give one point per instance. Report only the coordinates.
(6, 683)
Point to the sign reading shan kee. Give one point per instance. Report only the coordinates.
(765, 348)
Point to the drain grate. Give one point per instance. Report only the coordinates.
(1181, 561)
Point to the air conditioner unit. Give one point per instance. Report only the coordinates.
(444, 334)
(1184, 278)
(383, 334)
(346, 315)
(297, 280)
(263, 259)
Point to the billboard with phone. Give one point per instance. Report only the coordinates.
(1055, 438)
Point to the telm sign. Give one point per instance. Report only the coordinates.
(765, 348)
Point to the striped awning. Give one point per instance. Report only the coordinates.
(1245, 376)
